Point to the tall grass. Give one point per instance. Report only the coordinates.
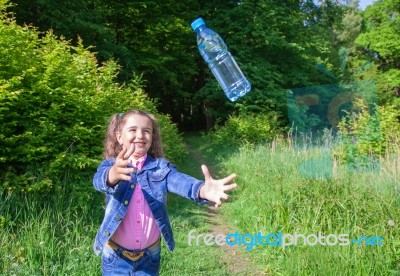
(303, 190)
(49, 234)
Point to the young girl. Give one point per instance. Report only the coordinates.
(136, 178)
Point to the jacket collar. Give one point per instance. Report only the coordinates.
(150, 163)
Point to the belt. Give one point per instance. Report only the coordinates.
(131, 255)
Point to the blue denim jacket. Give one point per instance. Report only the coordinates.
(157, 178)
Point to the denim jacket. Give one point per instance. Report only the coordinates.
(157, 178)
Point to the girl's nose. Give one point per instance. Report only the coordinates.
(139, 134)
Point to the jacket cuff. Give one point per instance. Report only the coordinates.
(197, 198)
(104, 187)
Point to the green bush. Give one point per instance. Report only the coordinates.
(390, 125)
(367, 133)
(247, 129)
(55, 101)
(173, 145)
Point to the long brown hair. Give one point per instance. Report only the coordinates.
(111, 145)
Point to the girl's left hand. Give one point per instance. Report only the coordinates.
(214, 189)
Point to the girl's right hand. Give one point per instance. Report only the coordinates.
(120, 170)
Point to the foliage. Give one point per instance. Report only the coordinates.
(382, 31)
(362, 138)
(389, 123)
(172, 141)
(270, 47)
(379, 40)
(276, 45)
(367, 132)
(351, 28)
(54, 105)
(148, 37)
(246, 129)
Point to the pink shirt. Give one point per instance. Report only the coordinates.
(138, 229)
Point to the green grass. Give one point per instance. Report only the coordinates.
(277, 194)
(49, 234)
(190, 259)
(279, 191)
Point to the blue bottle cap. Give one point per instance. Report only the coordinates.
(197, 23)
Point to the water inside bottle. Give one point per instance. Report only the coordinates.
(211, 47)
(229, 76)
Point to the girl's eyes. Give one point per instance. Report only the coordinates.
(134, 130)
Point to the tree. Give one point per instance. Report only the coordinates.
(380, 41)
(350, 28)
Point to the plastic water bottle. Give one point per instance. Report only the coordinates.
(220, 61)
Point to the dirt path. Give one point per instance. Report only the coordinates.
(234, 257)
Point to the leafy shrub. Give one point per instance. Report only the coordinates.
(55, 101)
(173, 146)
(390, 125)
(367, 133)
(247, 129)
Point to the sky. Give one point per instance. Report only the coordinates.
(365, 3)
(362, 3)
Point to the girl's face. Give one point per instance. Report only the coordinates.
(138, 131)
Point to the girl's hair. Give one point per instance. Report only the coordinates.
(111, 145)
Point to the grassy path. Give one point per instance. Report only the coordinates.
(234, 258)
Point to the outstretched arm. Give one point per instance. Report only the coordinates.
(214, 189)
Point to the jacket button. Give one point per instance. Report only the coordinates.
(132, 186)
(126, 202)
(118, 218)
(107, 233)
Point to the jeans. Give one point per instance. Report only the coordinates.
(114, 263)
